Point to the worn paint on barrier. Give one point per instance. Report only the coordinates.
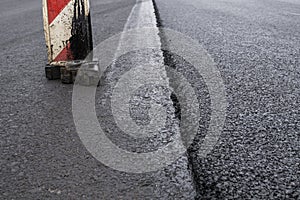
(67, 28)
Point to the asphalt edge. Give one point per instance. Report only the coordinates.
(169, 61)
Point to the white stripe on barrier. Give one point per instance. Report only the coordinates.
(60, 29)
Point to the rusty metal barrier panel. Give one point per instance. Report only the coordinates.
(68, 34)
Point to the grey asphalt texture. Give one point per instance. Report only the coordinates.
(256, 47)
(42, 156)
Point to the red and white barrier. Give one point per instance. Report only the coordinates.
(67, 29)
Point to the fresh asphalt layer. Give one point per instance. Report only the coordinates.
(255, 45)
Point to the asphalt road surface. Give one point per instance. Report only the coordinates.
(256, 48)
(42, 156)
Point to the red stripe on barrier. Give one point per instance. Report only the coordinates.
(65, 54)
(55, 7)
